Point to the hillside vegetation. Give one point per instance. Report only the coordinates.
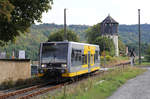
(39, 33)
(127, 33)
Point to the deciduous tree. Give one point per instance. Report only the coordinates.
(106, 44)
(16, 16)
(92, 33)
(59, 36)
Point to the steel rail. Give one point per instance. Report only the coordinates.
(9, 94)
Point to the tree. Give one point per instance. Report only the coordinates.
(5, 10)
(92, 33)
(5, 14)
(106, 44)
(16, 16)
(59, 36)
(94, 36)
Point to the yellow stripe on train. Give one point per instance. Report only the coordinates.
(79, 72)
(75, 73)
(96, 68)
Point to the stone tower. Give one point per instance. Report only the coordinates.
(109, 28)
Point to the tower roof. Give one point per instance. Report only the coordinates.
(109, 19)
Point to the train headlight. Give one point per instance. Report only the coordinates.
(62, 71)
(63, 65)
(43, 65)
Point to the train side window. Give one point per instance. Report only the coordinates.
(73, 54)
(76, 57)
(84, 59)
(92, 58)
(79, 55)
(96, 56)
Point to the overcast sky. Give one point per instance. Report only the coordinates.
(91, 12)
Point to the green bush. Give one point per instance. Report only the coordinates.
(7, 84)
(108, 58)
(21, 83)
(106, 44)
(102, 58)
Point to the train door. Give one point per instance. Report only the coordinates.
(89, 61)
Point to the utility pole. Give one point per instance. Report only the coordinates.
(139, 36)
(104, 49)
(104, 55)
(65, 35)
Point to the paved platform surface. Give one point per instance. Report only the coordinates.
(137, 88)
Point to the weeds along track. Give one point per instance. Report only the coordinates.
(29, 92)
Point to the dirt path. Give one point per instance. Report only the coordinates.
(137, 88)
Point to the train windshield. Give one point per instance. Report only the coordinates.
(54, 53)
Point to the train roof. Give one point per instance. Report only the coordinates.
(73, 43)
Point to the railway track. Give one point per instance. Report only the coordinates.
(27, 93)
(40, 92)
(21, 91)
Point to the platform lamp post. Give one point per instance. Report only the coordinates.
(139, 29)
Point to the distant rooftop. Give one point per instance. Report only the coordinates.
(109, 19)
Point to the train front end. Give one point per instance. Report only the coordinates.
(53, 58)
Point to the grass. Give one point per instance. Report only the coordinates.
(121, 58)
(99, 87)
(114, 61)
(143, 63)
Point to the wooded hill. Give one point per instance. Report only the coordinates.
(39, 33)
(127, 33)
